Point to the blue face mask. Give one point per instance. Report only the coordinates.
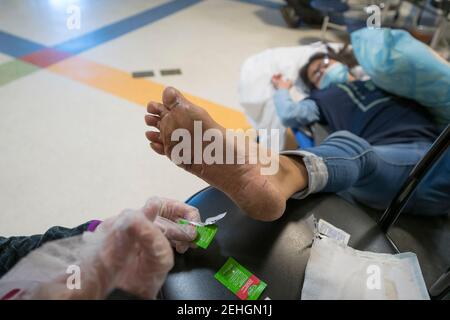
(337, 73)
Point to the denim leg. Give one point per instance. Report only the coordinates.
(346, 162)
(394, 163)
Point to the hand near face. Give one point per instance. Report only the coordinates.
(279, 83)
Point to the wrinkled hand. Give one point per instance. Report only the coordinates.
(279, 83)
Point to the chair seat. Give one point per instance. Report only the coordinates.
(276, 252)
(328, 6)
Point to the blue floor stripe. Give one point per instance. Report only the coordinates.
(16, 46)
(115, 30)
(264, 3)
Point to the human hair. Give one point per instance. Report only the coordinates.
(344, 56)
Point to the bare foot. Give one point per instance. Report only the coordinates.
(262, 197)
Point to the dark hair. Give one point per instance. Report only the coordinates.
(345, 56)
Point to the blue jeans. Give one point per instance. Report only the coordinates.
(372, 175)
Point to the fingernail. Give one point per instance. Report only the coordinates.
(191, 231)
(182, 248)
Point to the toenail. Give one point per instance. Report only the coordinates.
(175, 104)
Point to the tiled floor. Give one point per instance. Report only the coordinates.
(73, 149)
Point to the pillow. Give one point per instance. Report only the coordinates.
(255, 87)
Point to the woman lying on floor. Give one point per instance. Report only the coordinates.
(359, 114)
(375, 142)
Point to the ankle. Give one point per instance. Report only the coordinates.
(292, 176)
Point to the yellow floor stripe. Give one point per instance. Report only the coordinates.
(139, 91)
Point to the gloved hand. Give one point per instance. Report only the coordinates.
(149, 256)
(127, 251)
(169, 212)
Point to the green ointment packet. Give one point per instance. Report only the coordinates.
(240, 281)
(205, 234)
